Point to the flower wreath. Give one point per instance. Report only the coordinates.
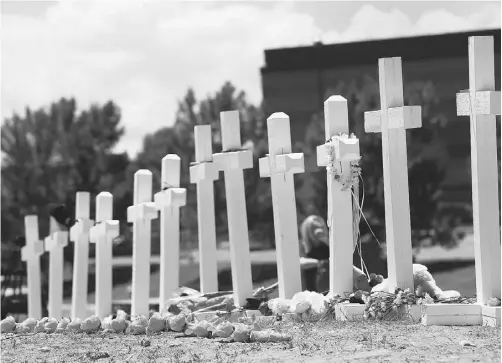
(335, 168)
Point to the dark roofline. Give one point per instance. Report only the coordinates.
(368, 52)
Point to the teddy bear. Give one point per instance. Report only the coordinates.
(423, 283)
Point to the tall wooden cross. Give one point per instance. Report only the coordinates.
(482, 103)
(140, 214)
(31, 254)
(79, 234)
(102, 235)
(280, 165)
(392, 121)
(341, 228)
(204, 173)
(54, 244)
(232, 161)
(168, 201)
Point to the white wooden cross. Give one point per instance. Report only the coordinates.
(281, 165)
(31, 254)
(392, 121)
(102, 235)
(232, 161)
(141, 214)
(341, 228)
(482, 103)
(79, 234)
(204, 173)
(54, 244)
(168, 201)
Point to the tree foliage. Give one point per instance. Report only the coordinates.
(50, 154)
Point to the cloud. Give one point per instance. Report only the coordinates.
(144, 55)
(372, 23)
(486, 17)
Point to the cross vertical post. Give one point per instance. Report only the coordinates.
(281, 165)
(31, 254)
(204, 173)
(140, 214)
(482, 103)
(102, 235)
(168, 201)
(79, 234)
(54, 243)
(340, 212)
(232, 161)
(392, 121)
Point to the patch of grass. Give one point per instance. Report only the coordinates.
(324, 340)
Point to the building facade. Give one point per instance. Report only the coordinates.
(298, 80)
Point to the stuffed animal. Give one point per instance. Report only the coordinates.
(423, 282)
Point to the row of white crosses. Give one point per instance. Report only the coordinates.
(280, 165)
(102, 234)
(84, 230)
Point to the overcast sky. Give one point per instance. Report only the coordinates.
(144, 55)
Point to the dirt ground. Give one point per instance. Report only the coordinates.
(329, 341)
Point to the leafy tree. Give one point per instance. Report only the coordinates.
(49, 154)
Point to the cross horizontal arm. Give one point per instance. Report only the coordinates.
(407, 117)
(233, 160)
(176, 197)
(203, 171)
(32, 251)
(486, 103)
(292, 163)
(345, 150)
(81, 227)
(57, 239)
(110, 229)
(144, 210)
